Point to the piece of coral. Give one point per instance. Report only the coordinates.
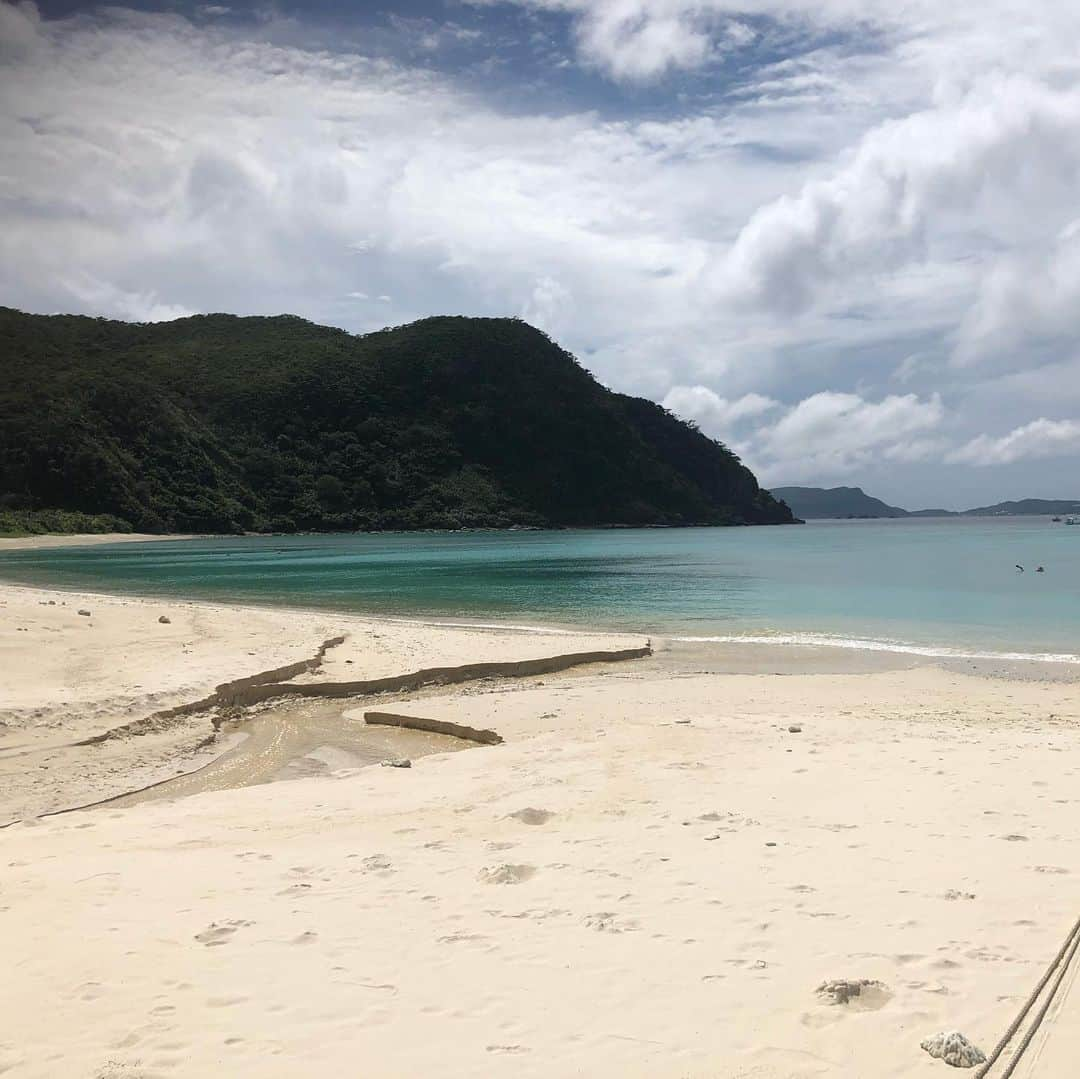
(952, 1047)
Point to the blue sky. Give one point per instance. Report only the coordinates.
(841, 235)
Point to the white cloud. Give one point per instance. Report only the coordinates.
(234, 172)
(1028, 294)
(130, 305)
(1039, 439)
(907, 178)
(717, 416)
(549, 307)
(831, 434)
(19, 23)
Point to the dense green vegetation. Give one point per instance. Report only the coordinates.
(58, 522)
(226, 424)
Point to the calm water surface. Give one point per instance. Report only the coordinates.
(930, 585)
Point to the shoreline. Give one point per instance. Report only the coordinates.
(90, 688)
(795, 652)
(720, 827)
(50, 540)
(154, 714)
(850, 648)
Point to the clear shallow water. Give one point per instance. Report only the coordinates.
(933, 586)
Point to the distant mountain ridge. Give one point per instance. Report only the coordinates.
(224, 424)
(1027, 507)
(833, 503)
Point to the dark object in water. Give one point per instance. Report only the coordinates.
(1040, 570)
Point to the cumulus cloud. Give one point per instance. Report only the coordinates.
(234, 172)
(1033, 441)
(1028, 294)
(135, 305)
(19, 24)
(833, 434)
(717, 416)
(635, 39)
(878, 212)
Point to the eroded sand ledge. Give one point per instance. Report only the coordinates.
(650, 877)
(94, 707)
(266, 686)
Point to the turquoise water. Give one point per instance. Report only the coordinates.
(930, 585)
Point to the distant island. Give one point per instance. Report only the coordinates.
(817, 503)
(225, 424)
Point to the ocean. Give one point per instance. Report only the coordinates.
(929, 586)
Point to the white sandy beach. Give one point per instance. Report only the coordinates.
(650, 877)
(26, 543)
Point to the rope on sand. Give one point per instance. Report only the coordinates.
(1061, 964)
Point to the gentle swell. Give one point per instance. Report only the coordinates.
(820, 640)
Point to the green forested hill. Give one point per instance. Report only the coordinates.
(221, 424)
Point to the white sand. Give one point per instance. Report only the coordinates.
(691, 872)
(95, 539)
(68, 677)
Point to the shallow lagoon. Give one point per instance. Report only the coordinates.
(930, 585)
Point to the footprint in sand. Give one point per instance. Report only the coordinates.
(506, 874)
(295, 889)
(508, 1049)
(461, 938)
(114, 1069)
(860, 995)
(606, 921)
(216, 934)
(376, 863)
(533, 816)
(1049, 869)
